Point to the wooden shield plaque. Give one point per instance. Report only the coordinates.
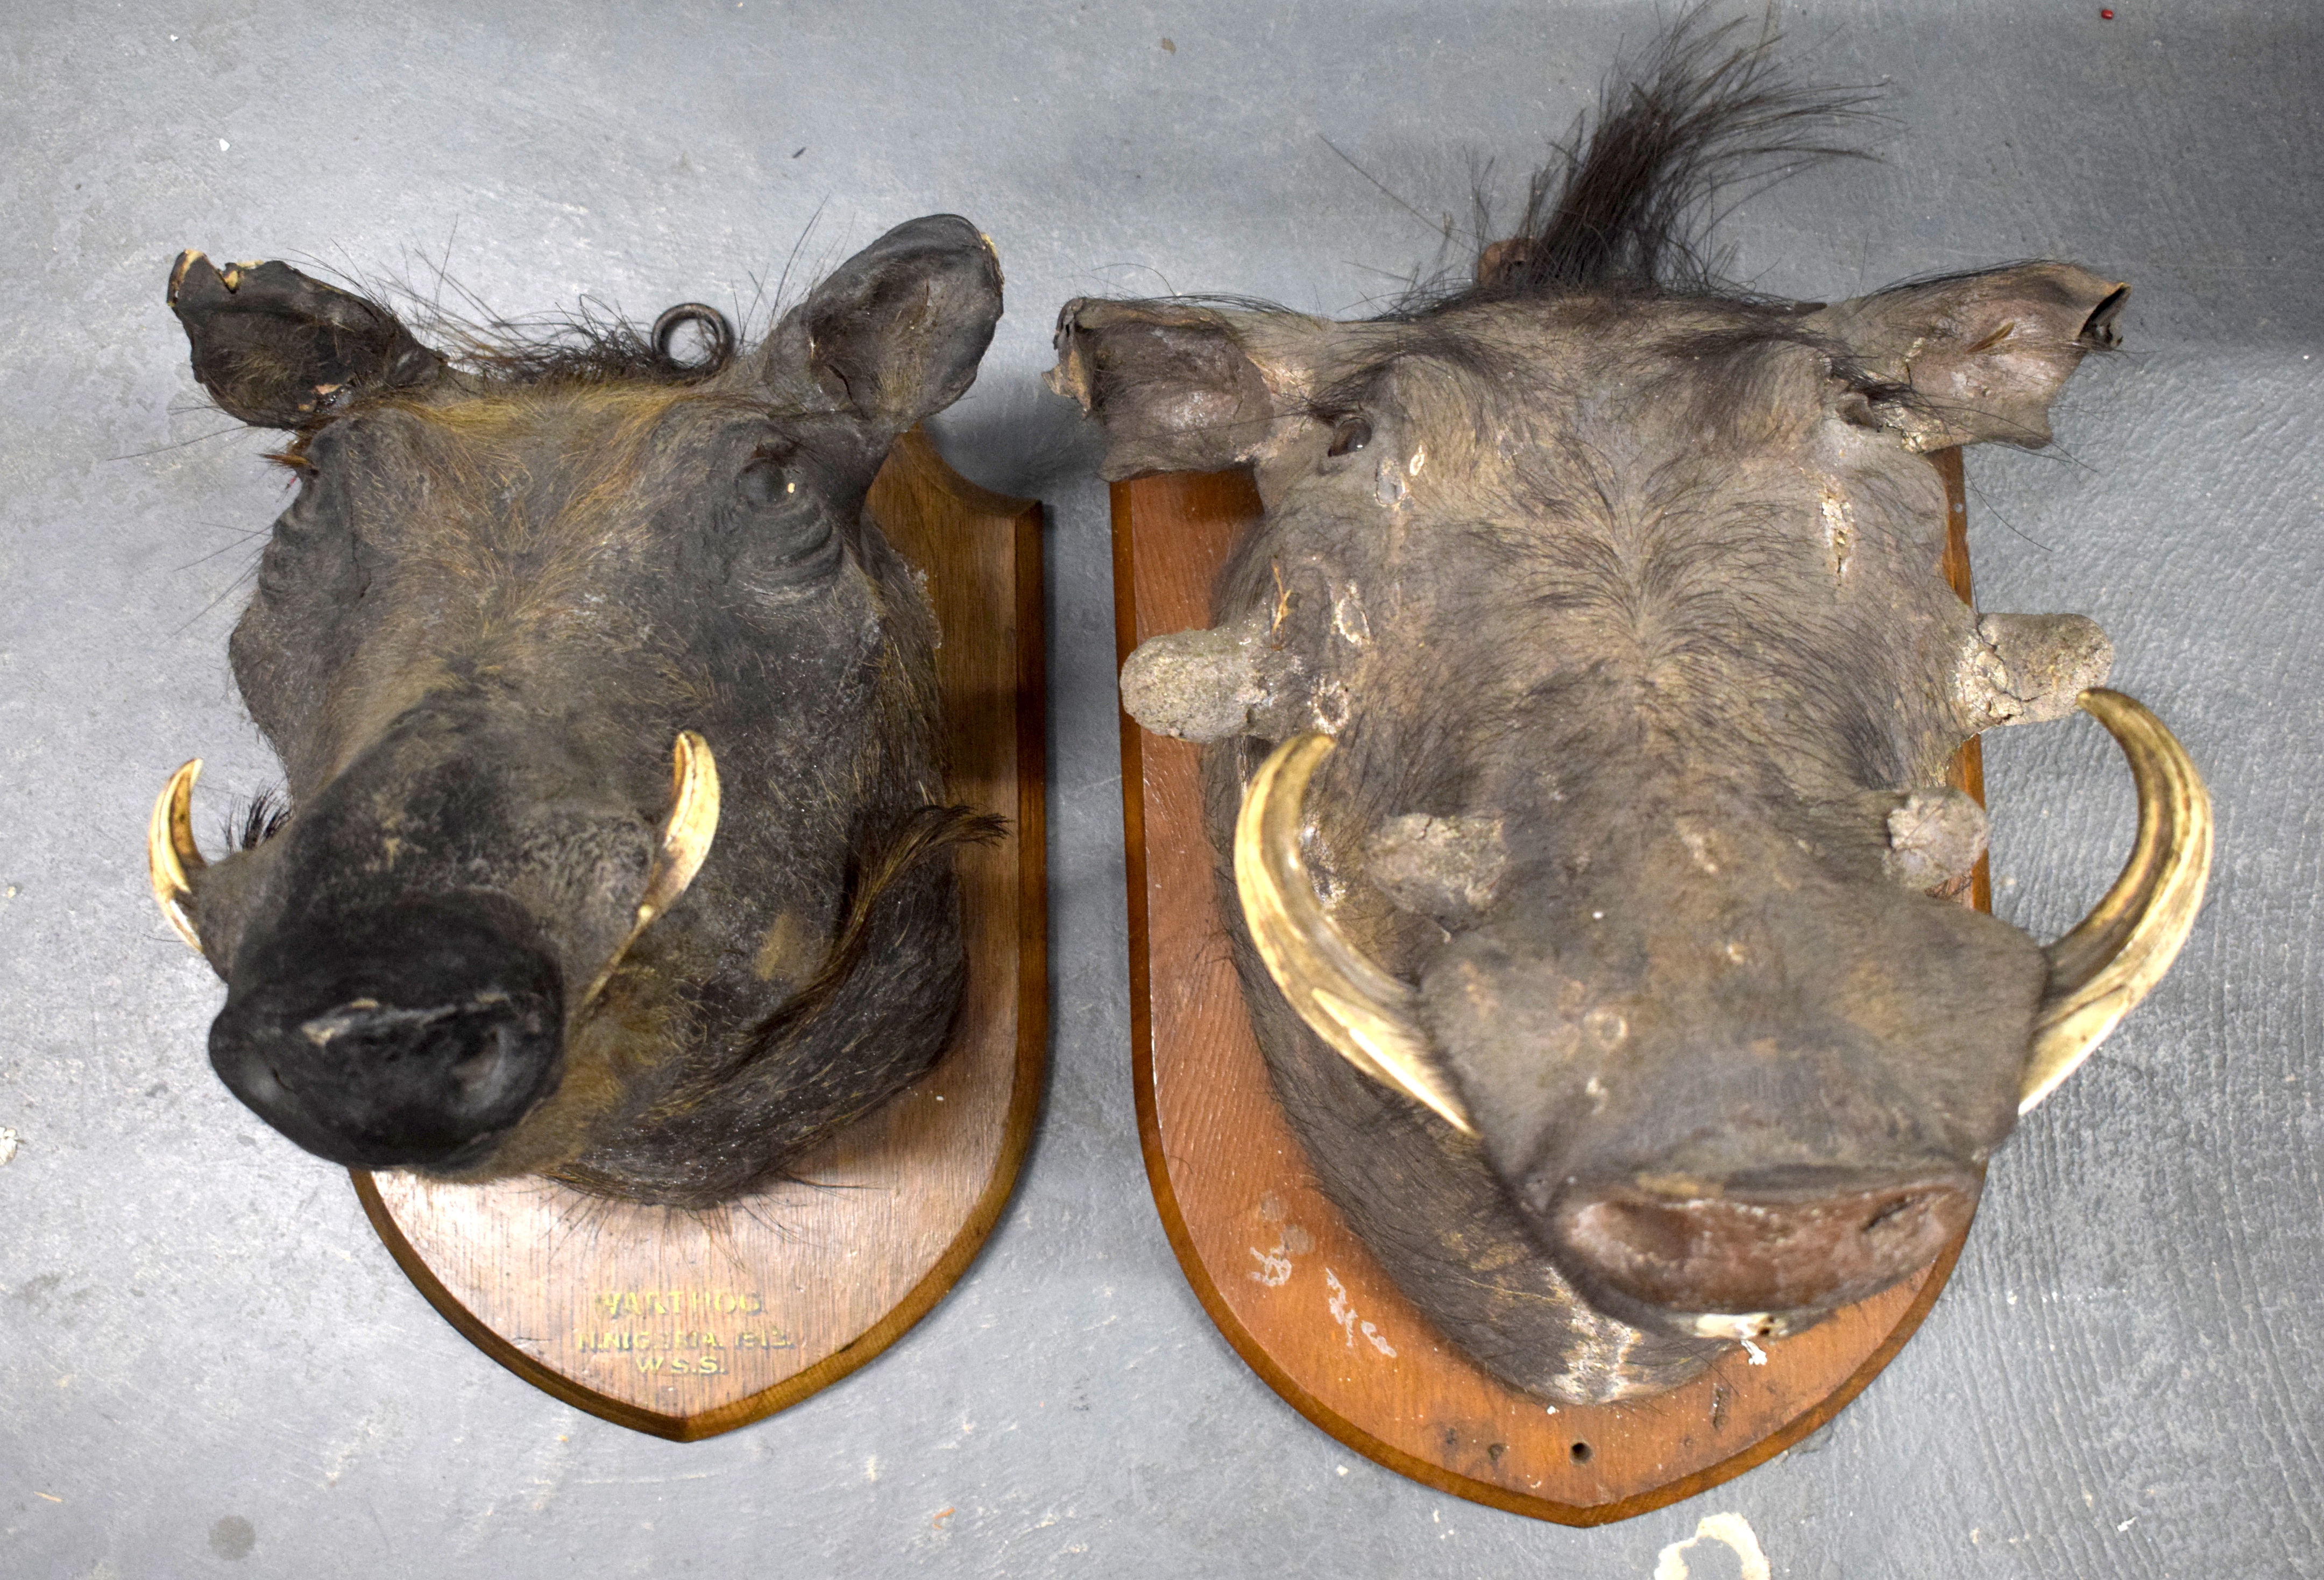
(686, 1324)
(1279, 1271)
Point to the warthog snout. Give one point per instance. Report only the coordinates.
(408, 1036)
(1753, 1099)
(1810, 1241)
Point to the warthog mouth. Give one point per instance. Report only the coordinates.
(1732, 1255)
(1727, 1251)
(416, 1033)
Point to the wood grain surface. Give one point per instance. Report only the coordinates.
(686, 1324)
(1273, 1263)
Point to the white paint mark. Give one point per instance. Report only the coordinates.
(2125, 1525)
(224, 145)
(1551, 1409)
(871, 1467)
(1758, 1356)
(1732, 1531)
(1344, 1314)
(1419, 459)
(8, 1143)
(1273, 1268)
(1342, 1469)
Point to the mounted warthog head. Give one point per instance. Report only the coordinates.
(1578, 720)
(614, 839)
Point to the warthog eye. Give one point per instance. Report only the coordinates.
(762, 484)
(1353, 434)
(779, 524)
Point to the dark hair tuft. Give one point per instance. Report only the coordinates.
(1624, 203)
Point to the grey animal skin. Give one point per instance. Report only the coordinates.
(1619, 593)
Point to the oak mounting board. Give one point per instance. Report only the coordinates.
(688, 1323)
(1272, 1261)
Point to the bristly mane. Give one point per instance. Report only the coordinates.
(584, 347)
(1625, 204)
(588, 344)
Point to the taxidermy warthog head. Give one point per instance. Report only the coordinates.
(495, 931)
(1579, 717)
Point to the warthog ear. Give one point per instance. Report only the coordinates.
(895, 333)
(1984, 354)
(279, 350)
(1173, 384)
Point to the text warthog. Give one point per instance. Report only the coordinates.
(1578, 719)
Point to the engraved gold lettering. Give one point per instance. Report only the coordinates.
(682, 1305)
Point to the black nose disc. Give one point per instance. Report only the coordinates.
(407, 1035)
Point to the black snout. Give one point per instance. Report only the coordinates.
(409, 1035)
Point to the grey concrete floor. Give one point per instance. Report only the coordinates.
(208, 1365)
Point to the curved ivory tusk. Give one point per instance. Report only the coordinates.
(2110, 962)
(686, 834)
(687, 831)
(171, 852)
(1362, 1010)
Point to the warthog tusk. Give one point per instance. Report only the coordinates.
(1363, 1011)
(171, 852)
(686, 834)
(687, 831)
(2119, 951)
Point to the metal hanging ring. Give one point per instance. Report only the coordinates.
(716, 331)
